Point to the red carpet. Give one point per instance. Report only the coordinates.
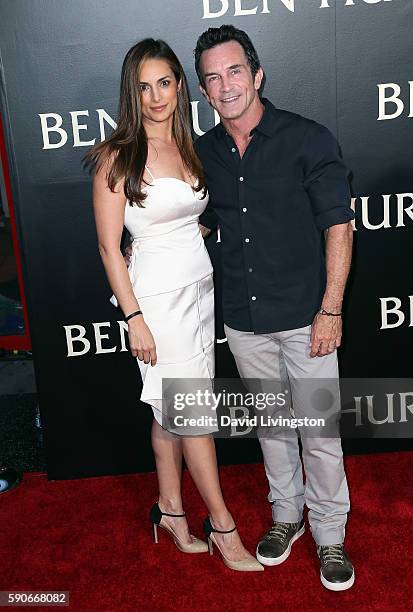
(92, 537)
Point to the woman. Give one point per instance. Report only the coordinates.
(148, 178)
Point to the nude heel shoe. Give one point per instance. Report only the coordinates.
(245, 565)
(156, 514)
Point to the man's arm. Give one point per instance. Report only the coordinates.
(327, 329)
(208, 221)
(339, 242)
(326, 182)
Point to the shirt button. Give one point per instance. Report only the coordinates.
(247, 239)
(249, 269)
(253, 298)
(233, 149)
(244, 210)
(241, 178)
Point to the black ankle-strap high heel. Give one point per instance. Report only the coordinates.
(249, 564)
(156, 514)
(208, 529)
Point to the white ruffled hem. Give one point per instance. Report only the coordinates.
(194, 374)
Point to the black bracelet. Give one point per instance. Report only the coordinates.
(330, 314)
(137, 312)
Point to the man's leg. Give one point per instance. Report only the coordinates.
(326, 492)
(259, 357)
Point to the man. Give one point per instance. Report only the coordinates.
(276, 183)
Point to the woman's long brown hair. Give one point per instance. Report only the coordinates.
(128, 144)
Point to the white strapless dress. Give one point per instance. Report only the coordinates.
(171, 275)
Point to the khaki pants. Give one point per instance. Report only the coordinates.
(275, 355)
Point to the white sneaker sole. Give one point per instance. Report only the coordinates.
(278, 560)
(337, 586)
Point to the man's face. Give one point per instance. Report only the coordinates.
(229, 85)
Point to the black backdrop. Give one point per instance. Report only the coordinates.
(344, 63)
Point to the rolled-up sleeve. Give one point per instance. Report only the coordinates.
(326, 178)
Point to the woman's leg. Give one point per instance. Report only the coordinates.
(200, 457)
(167, 449)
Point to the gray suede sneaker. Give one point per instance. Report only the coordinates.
(275, 546)
(336, 570)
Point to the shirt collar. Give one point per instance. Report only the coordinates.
(266, 125)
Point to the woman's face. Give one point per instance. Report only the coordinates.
(158, 90)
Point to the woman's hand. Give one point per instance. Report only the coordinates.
(205, 231)
(141, 341)
(127, 255)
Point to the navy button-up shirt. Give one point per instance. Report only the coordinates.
(271, 206)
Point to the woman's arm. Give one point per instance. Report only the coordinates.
(109, 210)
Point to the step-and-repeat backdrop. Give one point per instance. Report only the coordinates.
(344, 63)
